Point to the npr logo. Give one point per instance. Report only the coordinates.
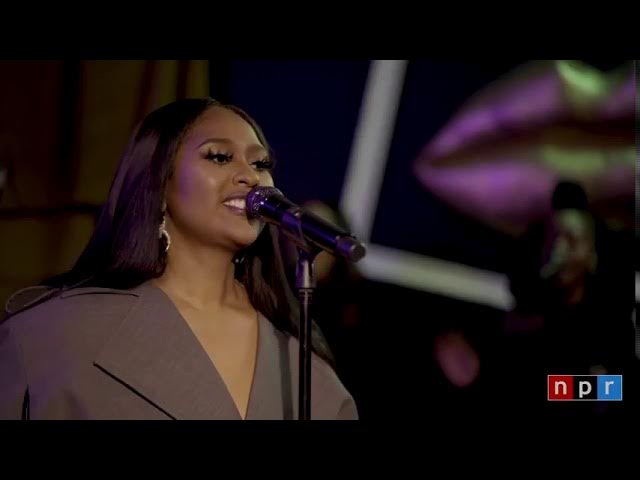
(584, 387)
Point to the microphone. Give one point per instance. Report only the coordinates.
(302, 226)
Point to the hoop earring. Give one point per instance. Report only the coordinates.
(162, 232)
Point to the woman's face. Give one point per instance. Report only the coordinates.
(219, 161)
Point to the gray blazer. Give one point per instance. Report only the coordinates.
(98, 353)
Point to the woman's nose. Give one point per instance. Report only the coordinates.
(246, 175)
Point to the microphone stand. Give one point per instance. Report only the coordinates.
(305, 284)
(291, 223)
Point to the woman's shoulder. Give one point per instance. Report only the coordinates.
(60, 332)
(39, 308)
(51, 338)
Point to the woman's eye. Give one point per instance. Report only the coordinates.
(265, 164)
(219, 158)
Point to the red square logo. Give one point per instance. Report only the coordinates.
(559, 387)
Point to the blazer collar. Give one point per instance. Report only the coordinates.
(154, 352)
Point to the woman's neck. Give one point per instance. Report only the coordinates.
(202, 277)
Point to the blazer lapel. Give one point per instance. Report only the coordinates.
(271, 390)
(155, 353)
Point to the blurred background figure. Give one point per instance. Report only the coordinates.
(571, 280)
(546, 155)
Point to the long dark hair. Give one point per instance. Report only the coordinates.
(125, 251)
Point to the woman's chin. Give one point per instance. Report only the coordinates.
(245, 238)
